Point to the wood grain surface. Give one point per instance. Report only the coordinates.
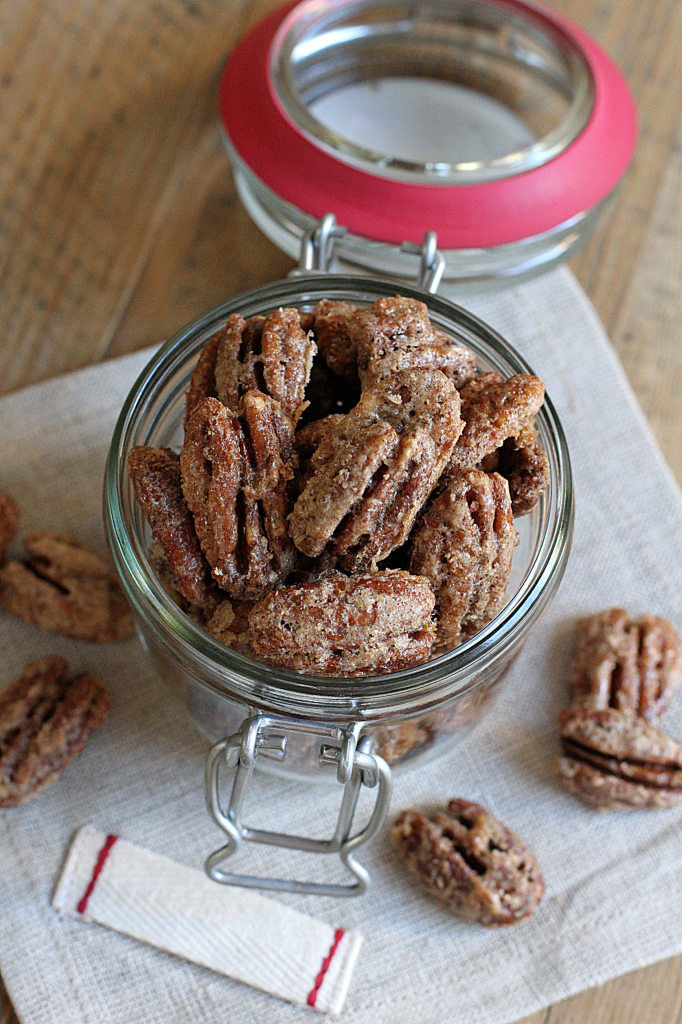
(119, 222)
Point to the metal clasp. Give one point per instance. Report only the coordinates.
(317, 247)
(431, 264)
(356, 766)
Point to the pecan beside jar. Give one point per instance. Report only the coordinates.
(617, 762)
(45, 722)
(67, 587)
(633, 666)
(471, 861)
(9, 520)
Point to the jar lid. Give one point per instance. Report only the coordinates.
(532, 65)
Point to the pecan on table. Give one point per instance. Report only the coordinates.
(45, 722)
(155, 473)
(617, 762)
(494, 409)
(9, 520)
(235, 479)
(523, 462)
(634, 667)
(66, 587)
(271, 354)
(464, 544)
(372, 475)
(396, 333)
(346, 626)
(471, 861)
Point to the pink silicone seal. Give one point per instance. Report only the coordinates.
(464, 215)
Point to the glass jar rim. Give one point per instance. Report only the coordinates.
(254, 683)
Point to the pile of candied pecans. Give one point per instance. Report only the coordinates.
(343, 503)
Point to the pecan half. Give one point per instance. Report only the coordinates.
(464, 545)
(494, 409)
(155, 473)
(67, 587)
(617, 762)
(271, 354)
(372, 475)
(9, 520)
(471, 861)
(523, 462)
(634, 667)
(235, 479)
(45, 722)
(396, 333)
(341, 626)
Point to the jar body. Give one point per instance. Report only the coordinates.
(410, 715)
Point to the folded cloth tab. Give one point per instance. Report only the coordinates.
(232, 931)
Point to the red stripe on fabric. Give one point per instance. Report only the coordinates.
(312, 995)
(96, 872)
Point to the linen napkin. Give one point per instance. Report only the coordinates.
(613, 897)
(232, 931)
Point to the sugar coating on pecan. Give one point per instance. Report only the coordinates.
(67, 587)
(371, 476)
(471, 861)
(341, 626)
(395, 334)
(464, 544)
(617, 762)
(155, 473)
(494, 409)
(9, 521)
(235, 479)
(45, 722)
(632, 666)
(271, 354)
(523, 462)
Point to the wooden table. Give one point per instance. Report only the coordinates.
(119, 222)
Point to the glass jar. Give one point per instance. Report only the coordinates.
(323, 729)
(497, 124)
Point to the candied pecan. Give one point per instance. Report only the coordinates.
(229, 623)
(235, 478)
(494, 409)
(523, 462)
(67, 587)
(346, 626)
(634, 667)
(9, 520)
(471, 861)
(617, 762)
(170, 583)
(396, 333)
(370, 478)
(308, 439)
(45, 722)
(271, 354)
(333, 340)
(464, 545)
(155, 473)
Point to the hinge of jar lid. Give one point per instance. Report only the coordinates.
(317, 247)
(356, 766)
(431, 264)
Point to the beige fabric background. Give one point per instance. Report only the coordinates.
(614, 891)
